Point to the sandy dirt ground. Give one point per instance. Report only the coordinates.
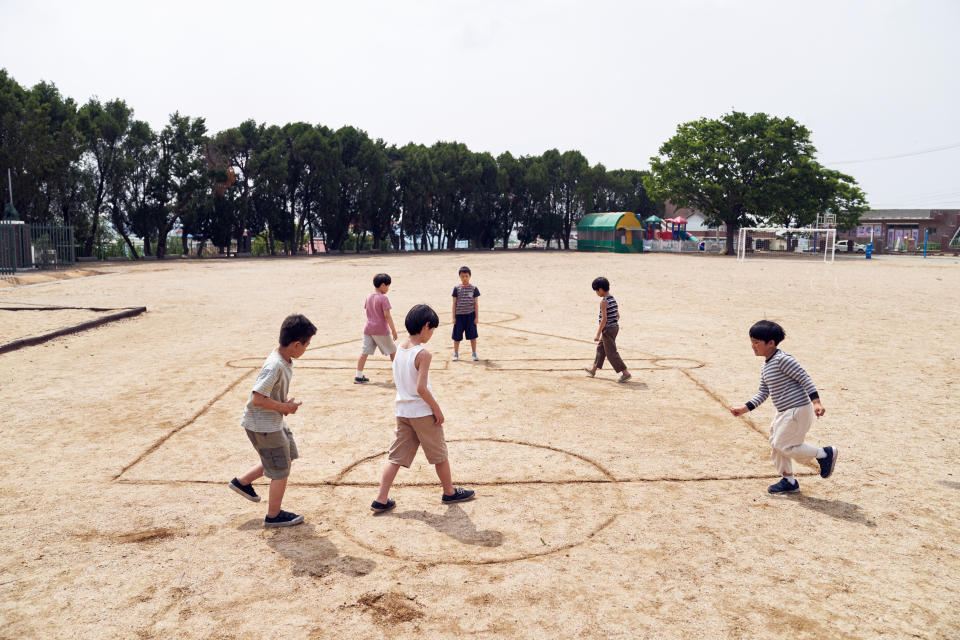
(602, 511)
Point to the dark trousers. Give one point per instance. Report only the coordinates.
(607, 348)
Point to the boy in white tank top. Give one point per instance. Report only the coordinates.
(419, 418)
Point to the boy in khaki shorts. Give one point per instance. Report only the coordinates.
(419, 418)
(379, 320)
(264, 424)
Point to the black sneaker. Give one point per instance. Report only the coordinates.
(246, 490)
(282, 519)
(827, 464)
(783, 487)
(380, 507)
(459, 495)
(360, 379)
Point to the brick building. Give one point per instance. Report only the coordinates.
(903, 230)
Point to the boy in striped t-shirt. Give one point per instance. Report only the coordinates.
(606, 337)
(796, 400)
(466, 313)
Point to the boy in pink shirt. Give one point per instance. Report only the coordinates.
(379, 328)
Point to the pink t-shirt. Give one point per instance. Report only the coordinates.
(375, 305)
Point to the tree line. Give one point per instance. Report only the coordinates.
(96, 168)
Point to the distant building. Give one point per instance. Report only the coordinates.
(903, 229)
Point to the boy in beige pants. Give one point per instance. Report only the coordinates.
(796, 400)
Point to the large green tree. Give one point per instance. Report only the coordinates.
(103, 128)
(742, 169)
(182, 178)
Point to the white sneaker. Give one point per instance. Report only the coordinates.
(456, 357)
(475, 358)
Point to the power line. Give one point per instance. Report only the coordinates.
(899, 155)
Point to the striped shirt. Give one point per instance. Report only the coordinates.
(613, 313)
(465, 293)
(783, 379)
(273, 381)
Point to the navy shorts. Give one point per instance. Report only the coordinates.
(464, 324)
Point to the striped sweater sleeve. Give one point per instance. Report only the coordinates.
(792, 369)
(762, 394)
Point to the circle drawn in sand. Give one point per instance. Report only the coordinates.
(532, 500)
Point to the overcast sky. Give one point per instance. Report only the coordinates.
(871, 79)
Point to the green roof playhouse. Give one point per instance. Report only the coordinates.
(620, 232)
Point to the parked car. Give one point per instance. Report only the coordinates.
(843, 245)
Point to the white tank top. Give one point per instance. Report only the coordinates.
(409, 402)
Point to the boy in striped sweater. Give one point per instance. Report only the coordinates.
(796, 400)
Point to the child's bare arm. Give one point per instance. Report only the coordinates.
(603, 320)
(268, 403)
(476, 311)
(422, 363)
(389, 319)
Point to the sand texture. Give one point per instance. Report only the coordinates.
(602, 511)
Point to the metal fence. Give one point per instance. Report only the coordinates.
(34, 246)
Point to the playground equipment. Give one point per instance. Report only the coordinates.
(620, 232)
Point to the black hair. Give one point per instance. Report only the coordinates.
(418, 316)
(296, 328)
(600, 283)
(379, 279)
(464, 269)
(766, 331)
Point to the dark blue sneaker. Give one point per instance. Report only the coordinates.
(783, 487)
(380, 507)
(459, 495)
(827, 464)
(246, 490)
(360, 380)
(282, 519)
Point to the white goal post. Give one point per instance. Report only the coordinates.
(780, 235)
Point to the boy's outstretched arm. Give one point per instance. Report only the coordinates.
(422, 363)
(739, 411)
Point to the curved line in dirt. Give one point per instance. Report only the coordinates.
(610, 479)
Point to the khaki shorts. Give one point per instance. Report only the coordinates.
(370, 344)
(277, 450)
(411, 434)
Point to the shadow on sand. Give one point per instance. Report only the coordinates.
(454, 523)
(950, 484)
(310, 553)
(834, 508)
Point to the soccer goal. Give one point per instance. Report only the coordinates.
(806, 242)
